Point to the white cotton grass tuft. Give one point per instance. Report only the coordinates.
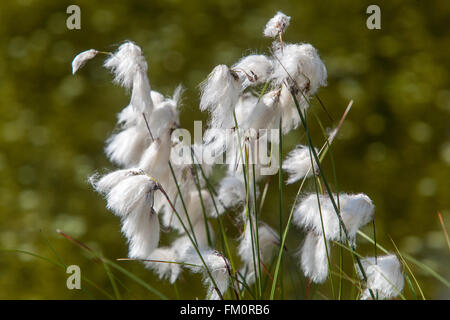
(298, 164)
(384, 277)
(166, 264)
(313, 258)
(218, 266)
(141, 227)
(125, 63)
(253, 69)
(126, 147)
(132, 200)
(356, 211)
(105, 183)
(130, 71)
(265, 114)
(300, 63)
(220, 93)
(277, 25)
(132, 193)
(80, 60)
(231, 194)
(269, 241)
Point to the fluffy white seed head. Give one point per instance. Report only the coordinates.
(231, 194)
(125, 63)
(268, 241)
(253, 69)
(131, 193)
(219, 268)
(384, 277)
(80, 60)
(265, 114)
(164, 269)
(277, 25)
(356, 211)
(301, 63)
(126, 147)
(132, 200)
(313, 258)
(220, 93)
(141, 227)
(298, 164)
(104, 184)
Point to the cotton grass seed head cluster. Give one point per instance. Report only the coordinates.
(149, 193)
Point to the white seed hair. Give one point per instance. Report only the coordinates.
(298, 164)
(105, 183)
(219, 268)
(276, 25)
(80, 60)
(132, 200)
(253, 69)
(384, 277)
(126, 147)
(131, 193)
(231, 193)
(356, 211)
(165, 269)
(125, 63)
(220, 93)
(300, 63)
(313, 258)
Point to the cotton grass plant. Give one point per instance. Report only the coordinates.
(150, 193)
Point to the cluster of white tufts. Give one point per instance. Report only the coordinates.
(149, 193)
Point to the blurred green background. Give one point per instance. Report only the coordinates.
(394, 146)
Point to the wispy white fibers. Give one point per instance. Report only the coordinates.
(253, 69)
(129, 117)
(126, 147)
(162, 266)
(269, 240)
(220, 93)
(384, 277)
(132, 200)
(356, 211)
(80, 60)
(298, 164)
(218, 266)
(265, 115)
(231, 193)
(104, 184)
(313, 258)
(130, 71)
(301, 63)
(277, 25)
(125, 63)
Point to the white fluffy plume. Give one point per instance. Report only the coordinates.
(220, 93)
(80, 60)
(301, 63)
(231, 194)
(104, 184)
(356, 211)
(384, 277)
(298, 164)
(253, 69)
(269, 240)
(132, 200)
(163, 265)
(313, 258)
(218, 266)
(277, 25)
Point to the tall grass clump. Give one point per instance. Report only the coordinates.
(251, 104)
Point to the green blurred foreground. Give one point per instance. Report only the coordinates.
(394, 146)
